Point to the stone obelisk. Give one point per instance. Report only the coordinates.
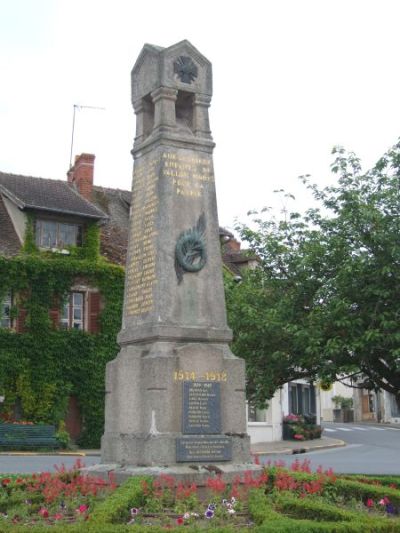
(175, 394)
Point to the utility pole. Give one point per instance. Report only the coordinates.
(76, 106)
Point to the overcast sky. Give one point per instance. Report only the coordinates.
(291, 80)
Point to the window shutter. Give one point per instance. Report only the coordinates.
(55, 317)
(20, 323)
(94, 312)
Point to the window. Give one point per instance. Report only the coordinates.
(255, 414)
(394, 405)
(306, 399)
(5, 311)
(72, 312)
(301, 399)
(51, 234)
(294, 407)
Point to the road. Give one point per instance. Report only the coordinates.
(370, 449)
(26, 464)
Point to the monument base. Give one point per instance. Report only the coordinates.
(171, 402)
(197, 474)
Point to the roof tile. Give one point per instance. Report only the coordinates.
(48, 195)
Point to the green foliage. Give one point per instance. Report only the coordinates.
(116, 508)
(324, 300)
(62, 435)
(42, 367)
(91, 244)
(342, 402)
(29, 246)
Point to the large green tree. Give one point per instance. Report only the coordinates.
(325, 300)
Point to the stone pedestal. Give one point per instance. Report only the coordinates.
(145, 407)
(175, 395)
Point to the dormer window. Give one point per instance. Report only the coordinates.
(52, 234)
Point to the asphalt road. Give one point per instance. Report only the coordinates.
(27, 464)
(370, 449)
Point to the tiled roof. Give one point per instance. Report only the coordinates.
(9, 242)
(47, 195)
(114, 234)
(236, 261)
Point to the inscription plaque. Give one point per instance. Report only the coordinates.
(201, 408)
(203, 449)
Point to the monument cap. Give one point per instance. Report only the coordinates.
(180, 66)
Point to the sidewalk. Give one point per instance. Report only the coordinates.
(261, 448)
(287, 447)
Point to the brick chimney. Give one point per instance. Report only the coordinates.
(232, 246)
(81, 174)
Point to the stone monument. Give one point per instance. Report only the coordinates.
(175, 394)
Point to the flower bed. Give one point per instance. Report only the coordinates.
(278, 499)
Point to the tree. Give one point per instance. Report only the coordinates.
(326, 298)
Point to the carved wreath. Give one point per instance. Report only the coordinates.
(185, 69)
(190, 249)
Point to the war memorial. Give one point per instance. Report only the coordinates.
(175, 394)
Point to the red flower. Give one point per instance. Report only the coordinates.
(180, 521)
(297, 436)
(216, 484)
(44, 513)
(5, 481)
(82, 509)
(370, 502)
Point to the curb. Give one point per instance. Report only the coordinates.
(305, 449)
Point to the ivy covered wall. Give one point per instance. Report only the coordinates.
(41, 367)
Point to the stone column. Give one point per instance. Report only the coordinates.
(138, 107)
(201, 123)
(164, 100)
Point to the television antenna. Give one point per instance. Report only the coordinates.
(77, 106)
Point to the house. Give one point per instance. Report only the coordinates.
(61, 283)
(59, 217)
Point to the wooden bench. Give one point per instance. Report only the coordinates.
(28, 436)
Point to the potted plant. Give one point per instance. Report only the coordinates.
(290, 423)
(300, 427)
(343, 411)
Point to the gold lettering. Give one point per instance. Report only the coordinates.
(141, 268)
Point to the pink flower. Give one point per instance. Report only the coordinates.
(370, 502)
(297, 436)
(82, 509)
(58, 516)
(44, 512)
